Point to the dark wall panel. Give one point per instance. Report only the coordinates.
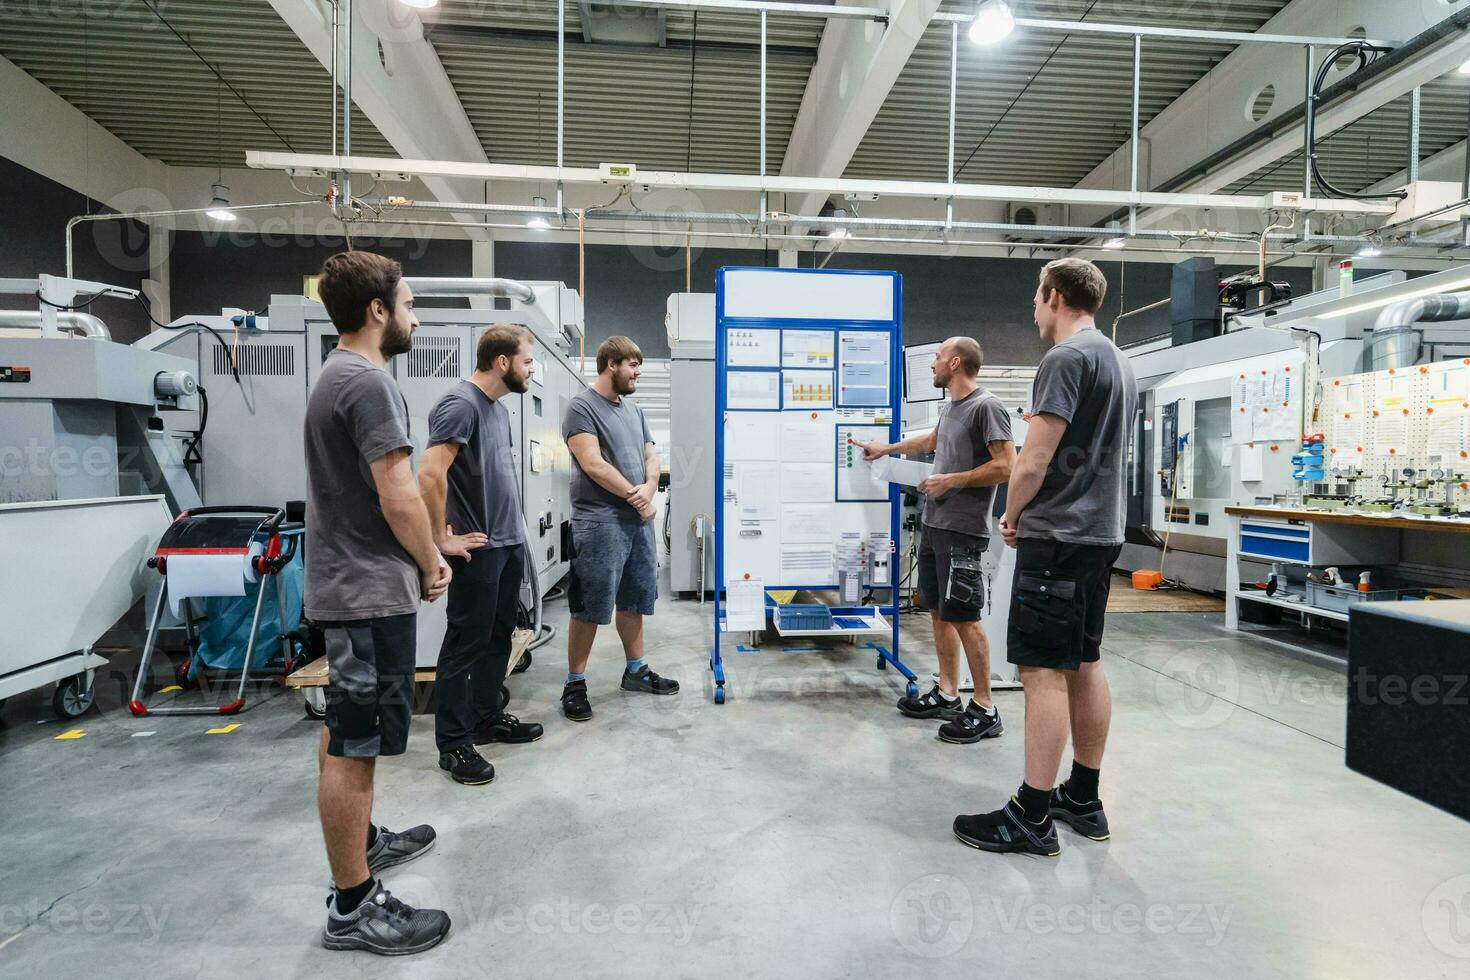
(210, 271)
(33, 241)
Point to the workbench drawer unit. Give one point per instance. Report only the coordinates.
(1316, 544)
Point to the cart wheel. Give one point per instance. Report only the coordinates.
(719, 695)
(72, 698)
(523, 664)
(912, 690)
(882, 664)
(316, 702)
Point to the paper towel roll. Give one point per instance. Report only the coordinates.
(194, 576)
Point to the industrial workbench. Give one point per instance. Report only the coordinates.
(1314, 539)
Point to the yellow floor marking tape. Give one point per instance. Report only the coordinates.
(67, 736)
(169, 689)
(223, 731)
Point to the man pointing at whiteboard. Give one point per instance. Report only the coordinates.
(973, 454)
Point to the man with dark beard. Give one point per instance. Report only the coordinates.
(469, 484)
(372, 558)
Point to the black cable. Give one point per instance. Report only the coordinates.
(244, 101)
(143, 301)
(78, 306)
(1366, 54)
(191, 450)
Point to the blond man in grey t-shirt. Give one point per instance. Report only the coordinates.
(973, 453)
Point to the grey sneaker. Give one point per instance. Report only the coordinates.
(384, 925)
(972, 725)
(648, 682)
(392, 849)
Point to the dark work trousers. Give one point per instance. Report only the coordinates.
(475, 655)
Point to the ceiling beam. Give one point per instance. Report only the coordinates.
(1215, 113)
(404, 92)
(857, 64)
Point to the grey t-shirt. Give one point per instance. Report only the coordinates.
(482, 493)
(622, 433)
(1084, 495)
(966, 430)
(355, 568)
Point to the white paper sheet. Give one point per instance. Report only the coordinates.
(753, 348)
(1252, 463)
(806, 564)
(810, 390)
(751, 436)
(907, 472)
(745, 605)
(808, 348)
(855, 478)
(807, 524)
(1390, 435)
(805, 483)
(753, 390)
(805, 439)
(757, 494)
(197, 576)
(1447, 440)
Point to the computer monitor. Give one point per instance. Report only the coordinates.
(918, 381)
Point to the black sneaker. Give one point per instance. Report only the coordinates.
(1087, 819)
(972, 724)
(507, 728)
(648, 682)
(574, 703)
(931, 705)
(1006, 830)
(392, 849)
(467, 766)
(384, 925)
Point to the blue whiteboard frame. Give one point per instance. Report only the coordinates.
(894, 328)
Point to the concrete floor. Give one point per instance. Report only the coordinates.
(801, 830)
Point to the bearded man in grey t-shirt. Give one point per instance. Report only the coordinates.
(371, 557)
(1065, 516)
(973, 453)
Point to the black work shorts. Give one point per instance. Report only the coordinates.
(936, 547)
(369, 685)
(1059, 601)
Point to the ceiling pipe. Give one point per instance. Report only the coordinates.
(1395, 342)
(431, 286)
(84, 324)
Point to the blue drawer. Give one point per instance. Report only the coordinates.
(1250, 544)
(1277, 530)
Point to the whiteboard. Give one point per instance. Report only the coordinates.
(773, 294)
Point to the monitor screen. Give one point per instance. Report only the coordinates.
(918, 380)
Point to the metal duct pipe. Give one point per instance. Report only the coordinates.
(79, 323)
(1395, 342)
(450, 286)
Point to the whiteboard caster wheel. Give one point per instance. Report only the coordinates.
(882, 664)
(719, 695)
(912, 690)
(316, 702)
(72, 698)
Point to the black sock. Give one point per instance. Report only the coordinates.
(1034, 802)
(372, 835)
(348, 899)
(1082, 784)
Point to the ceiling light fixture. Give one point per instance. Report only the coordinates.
(838, 232)
(1465, 68)
(219, 206)
(1369, 252)
(420, 4)
(1115, 244)
(538, 222)
(993, 22)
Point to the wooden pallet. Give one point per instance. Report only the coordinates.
(314, 674)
